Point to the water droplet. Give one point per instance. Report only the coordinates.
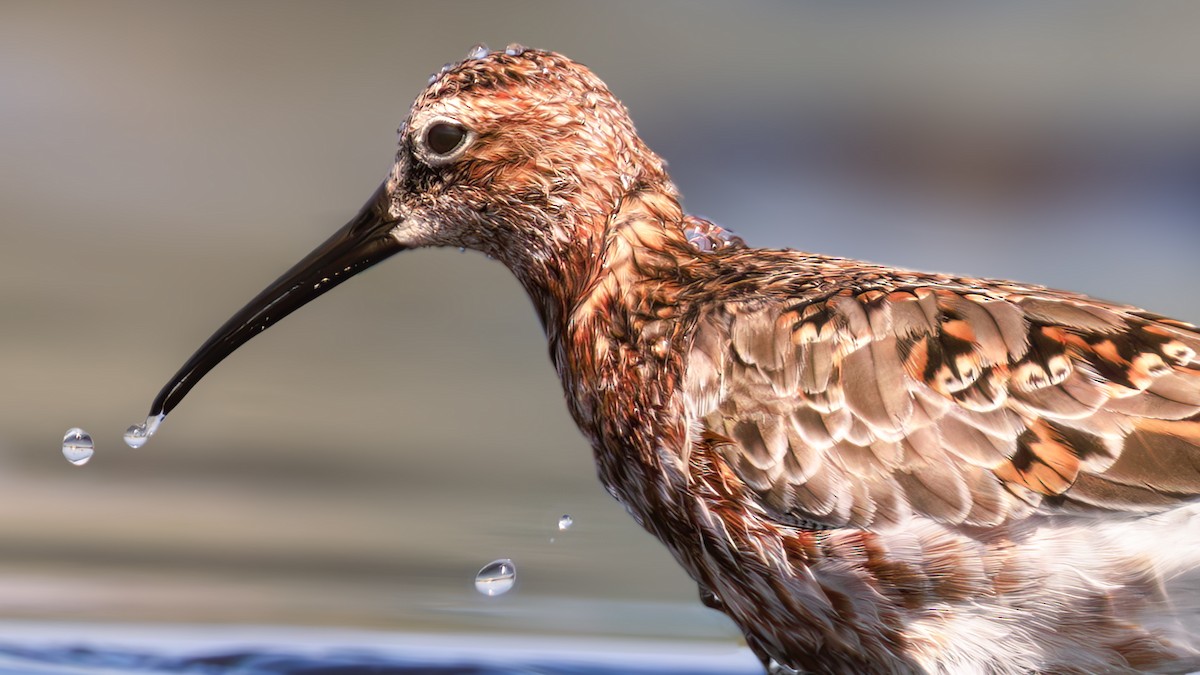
(497, 577)
(479, 51)
(565, 522)
(137, 435)
(515, 49)
(78, 447)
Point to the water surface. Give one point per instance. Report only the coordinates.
(32, 648)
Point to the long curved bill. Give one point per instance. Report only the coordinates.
(361, 243)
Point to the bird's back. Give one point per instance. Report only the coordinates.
(982, 475)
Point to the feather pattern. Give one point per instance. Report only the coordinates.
(913, 386)
(992, 447)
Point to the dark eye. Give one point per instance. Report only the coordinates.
(444, 138)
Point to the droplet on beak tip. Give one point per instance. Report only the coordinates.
(137, 434)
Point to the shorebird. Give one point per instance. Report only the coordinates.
(868, 469)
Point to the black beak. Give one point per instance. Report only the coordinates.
(361, 243)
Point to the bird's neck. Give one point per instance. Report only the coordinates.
(589, 267)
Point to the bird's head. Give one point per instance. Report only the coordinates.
(513, 151)
(521, 154)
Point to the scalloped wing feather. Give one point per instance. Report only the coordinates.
(967, 401)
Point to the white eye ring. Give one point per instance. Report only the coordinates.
(442, 141)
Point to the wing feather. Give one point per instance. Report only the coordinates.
(874, 383)
(969, 402)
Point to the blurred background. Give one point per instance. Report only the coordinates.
(160, 163)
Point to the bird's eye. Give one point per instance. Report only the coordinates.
(444, 138)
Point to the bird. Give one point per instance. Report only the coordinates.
(867, 469)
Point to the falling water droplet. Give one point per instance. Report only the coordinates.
(77, 446)
(137, 435)
(515, 49)
(565, 522)
(479, 51)
(497, 577)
